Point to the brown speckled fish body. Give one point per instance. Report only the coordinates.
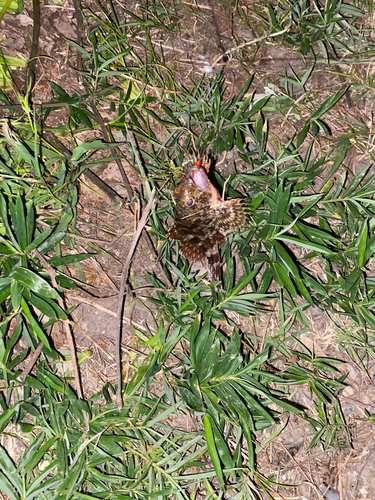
(202, 217)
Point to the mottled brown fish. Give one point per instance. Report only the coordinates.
(202, 217)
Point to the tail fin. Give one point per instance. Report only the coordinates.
(213, 264)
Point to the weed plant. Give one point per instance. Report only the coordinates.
(304, 207)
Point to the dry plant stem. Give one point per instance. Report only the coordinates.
(260, 39)
(120, 307)
(30, 78)
(105, 133)
(147, 237)
(31, 363)
(78, 16)
(68, 331)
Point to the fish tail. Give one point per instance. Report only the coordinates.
(213, 264)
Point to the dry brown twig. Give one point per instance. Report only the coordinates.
(31, 363)
(124, 279)
(251, 42)
(107, 138)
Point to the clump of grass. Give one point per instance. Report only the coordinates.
(327, 30)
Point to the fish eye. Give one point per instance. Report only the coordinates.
(189, 202)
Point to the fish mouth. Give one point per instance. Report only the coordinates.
(199, 177)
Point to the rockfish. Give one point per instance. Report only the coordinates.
(202, 217)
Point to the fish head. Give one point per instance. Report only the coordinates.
(202, 217)
(194, 194)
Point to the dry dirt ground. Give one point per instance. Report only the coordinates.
(345, 474)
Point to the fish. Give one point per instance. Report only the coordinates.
(202, 217)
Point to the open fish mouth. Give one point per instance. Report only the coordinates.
(199, 177)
